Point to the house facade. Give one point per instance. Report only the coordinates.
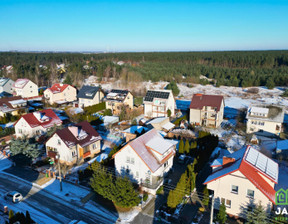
(118, 98)
(25, 88)
(158, 102)
(12, 106)
(36, 123)
(206, 110)
(74, 143)
(6, 85)
(268, 119)
(146, 160)
(89, 96)
(243, 180)
(60, 93)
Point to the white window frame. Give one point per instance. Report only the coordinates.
(249, 196)
(234, 192)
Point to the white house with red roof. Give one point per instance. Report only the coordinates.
(60, 93)
(36, 123)
(146, 160)
(74, 143)
(243, 179)
(207, 110)
(25, 88)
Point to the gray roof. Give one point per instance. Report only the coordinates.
(151, 94)
(88, 92)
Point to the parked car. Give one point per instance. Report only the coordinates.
(14, 196)
(181, 159)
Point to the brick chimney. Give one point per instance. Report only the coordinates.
(227, 160)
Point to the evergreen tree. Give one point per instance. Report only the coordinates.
(181, 147)
(68, 80)
(221, 216)
(11, 214)
(168, 112)
(257, 215)
(23, 146)
(187, 147)
(193, 145)
(28, 218)
(172, 200)
(101, 181)
(205, 200)
(124, 194)
(173, 86)
(191, 178)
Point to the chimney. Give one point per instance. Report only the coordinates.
(227, 160)
(61, 84)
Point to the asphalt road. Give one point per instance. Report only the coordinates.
(41, 200)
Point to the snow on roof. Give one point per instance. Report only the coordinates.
(139, 146)
(168, 126)
(282, 145)
(112, 94)
(14, 102)
(110, 119)
(20, 83)
(274, 114)
(158, 145)
(259, 110)
(135, 128)
(58, 88)
(262, 162)
(157, 120)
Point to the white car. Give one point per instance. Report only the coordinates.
(14, 196)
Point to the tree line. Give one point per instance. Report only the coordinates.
(238, 68)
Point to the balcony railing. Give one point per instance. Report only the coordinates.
(86, 154)
(156, 181)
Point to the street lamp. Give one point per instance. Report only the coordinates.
(59, 170)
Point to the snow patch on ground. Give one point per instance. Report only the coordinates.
(70, 192)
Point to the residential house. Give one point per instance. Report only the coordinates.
(117, 98)
(133, 132)
(25, 88)
(89, 96)
(158, 102)
(282, 149)
(242, 180)
(60, 93)
(12, 106)
(74, 143)
(146, 160)
(6, 85)
(265, 119)
(36, 123)
(206, 110)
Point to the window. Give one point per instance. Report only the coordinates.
(223, 201)
(20, 131)
(137, 174)
(59, 142)
(127, 159)
(165, 164)
(228, 203)
(94, 146)
(234, 189)
(73, 153)
(250, 193)
(132, 161)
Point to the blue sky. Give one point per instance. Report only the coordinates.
(58, 25)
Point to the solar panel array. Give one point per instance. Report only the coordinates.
(263, 163)
(119, 91)
(150, 95)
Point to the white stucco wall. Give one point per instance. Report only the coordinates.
(90, 102)
(22, 128)
(268, 126)
(222, 189)
(29, 90)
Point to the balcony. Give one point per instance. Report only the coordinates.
(156, 181)
(52, 154)
(86, 154)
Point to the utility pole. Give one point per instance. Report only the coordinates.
(59, 170)
(212, 210)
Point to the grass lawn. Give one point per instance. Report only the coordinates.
(138, 100)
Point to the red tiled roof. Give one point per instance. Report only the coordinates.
(251, 172)
(57, 88)
(70, 139)
(52, 120)
(199, 101)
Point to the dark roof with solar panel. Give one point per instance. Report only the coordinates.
(119, 91)
(151, 94)
(88, 92)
